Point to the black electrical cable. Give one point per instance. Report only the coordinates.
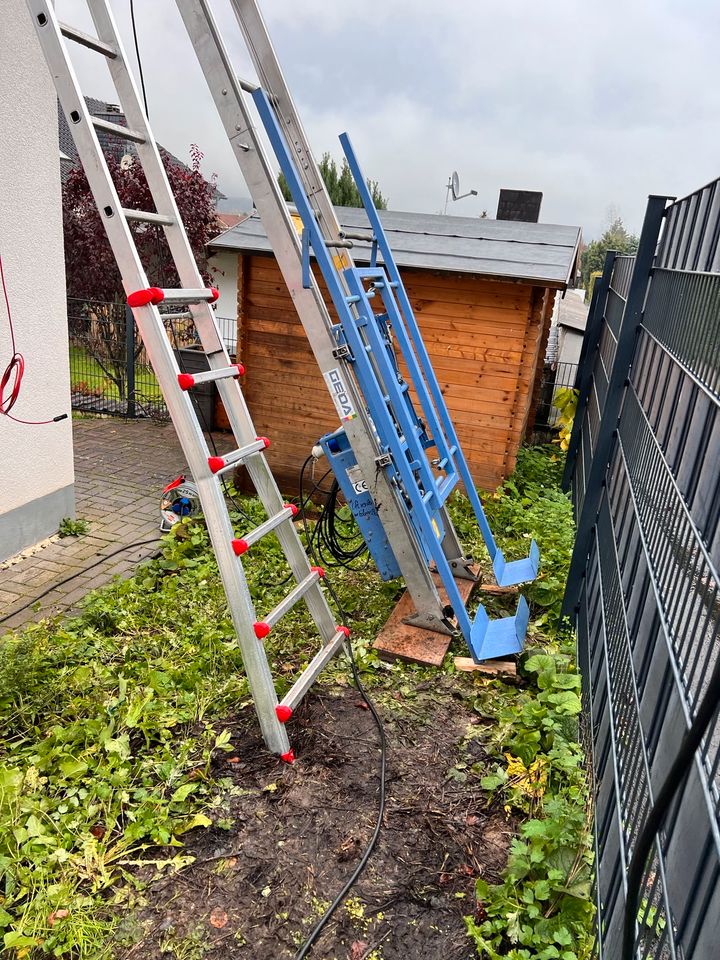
(327, 536)
(317, 930)
(322, 922)
(675, 778)
(78, 573)
(137, 55)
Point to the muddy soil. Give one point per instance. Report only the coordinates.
(292, 835)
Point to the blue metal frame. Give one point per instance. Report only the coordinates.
(425, 382)
(403, 436)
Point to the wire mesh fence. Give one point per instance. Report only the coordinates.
(109, 369)
(559, 376)
(644, 469)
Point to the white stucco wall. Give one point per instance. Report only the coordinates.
(36, 462)
(224, 267)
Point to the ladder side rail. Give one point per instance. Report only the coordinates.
(203, 314)
(227, 94)
(271, 77)
(496, 554)
(163, 361)
(158, 183)
(267, 489)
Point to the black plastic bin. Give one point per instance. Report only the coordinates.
(193, 360)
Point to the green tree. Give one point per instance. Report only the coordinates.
(617, 238)
(340, 185)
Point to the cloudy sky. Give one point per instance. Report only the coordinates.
(597, 105)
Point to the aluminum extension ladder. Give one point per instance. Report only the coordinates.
(388, 439)
(193, 299)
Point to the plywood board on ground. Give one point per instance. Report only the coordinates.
(402, 641)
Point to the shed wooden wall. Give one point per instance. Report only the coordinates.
(483, 337)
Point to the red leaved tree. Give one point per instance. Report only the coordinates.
(92, 277)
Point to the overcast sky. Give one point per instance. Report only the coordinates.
(597, 105)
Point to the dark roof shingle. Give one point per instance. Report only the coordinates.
(540, 253)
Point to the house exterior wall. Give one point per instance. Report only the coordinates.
(483, 336)
(223, 266)
(36, 462)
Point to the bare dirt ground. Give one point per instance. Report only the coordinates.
(292, 834)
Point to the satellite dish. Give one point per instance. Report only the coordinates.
(455, 185)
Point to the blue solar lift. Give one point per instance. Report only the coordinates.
(419, 447)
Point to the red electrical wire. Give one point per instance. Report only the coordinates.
(14, 372)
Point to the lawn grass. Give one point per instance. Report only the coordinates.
(87, 376)
(111, 723)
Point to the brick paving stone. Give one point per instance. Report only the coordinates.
(120, 469)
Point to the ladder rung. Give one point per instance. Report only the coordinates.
(183, 315)
(263, 627)
(154, 295)
(200, 295)
(297, 691)
(146, 217)
(188, 380)
(235, 457)
(242, 545)
(125, 133)
(87, 40)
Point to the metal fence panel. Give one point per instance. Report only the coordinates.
(109, 369)
(644, 590)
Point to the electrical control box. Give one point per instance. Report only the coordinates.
(336, 448)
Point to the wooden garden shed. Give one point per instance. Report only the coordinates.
(483, 293)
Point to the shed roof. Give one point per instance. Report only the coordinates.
(539, 253)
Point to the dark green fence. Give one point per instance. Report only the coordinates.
(109, 369)
(643, 591)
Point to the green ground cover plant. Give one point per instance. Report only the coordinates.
(110, 722)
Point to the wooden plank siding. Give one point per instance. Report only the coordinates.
(483, 336)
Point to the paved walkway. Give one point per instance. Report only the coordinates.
(121, 468)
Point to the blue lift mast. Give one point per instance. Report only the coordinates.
(405, 434)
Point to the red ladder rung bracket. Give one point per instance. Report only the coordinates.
(288, 757)
(186, 380)
(261, 629)
(283, 712)
(141, 298)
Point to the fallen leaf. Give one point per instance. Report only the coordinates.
(57, 915)
(265, 892)
(358, 949)
(98, 831)
(361, 705)
(472, 821)
(233, 759)
(218, 917)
